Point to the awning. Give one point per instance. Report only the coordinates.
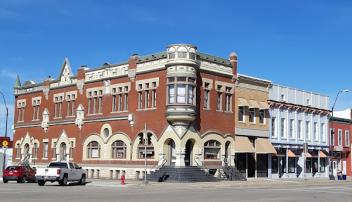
(253, 104)
(290, 153)
(307, 155)
(322, 154)
(242, 102)
(263, 105)
(243, 145)
(263, 146)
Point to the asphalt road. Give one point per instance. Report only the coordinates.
(195, 192)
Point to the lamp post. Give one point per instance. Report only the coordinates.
(145, 137)
(7, 115)
(332, 123)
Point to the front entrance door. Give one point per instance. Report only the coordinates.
(189, 153)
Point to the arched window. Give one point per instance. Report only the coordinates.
(18, 150)
(35, 150)
(118, 149)
(212, 149)
(141, 146)
(26, 151)
(93, 150)
(63, 151)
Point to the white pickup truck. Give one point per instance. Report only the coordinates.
(62, 172)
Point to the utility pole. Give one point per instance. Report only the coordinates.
(7, 116)
(145, 137)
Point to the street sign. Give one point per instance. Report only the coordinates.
(5, 143)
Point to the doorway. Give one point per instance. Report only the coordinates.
(189, 152)
(63, 152)
(170, 153)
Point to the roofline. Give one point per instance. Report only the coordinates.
(293, 88)
(255, 78)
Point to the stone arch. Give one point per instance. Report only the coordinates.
(153, 140)
(63, 139)
(197, 151)
(90, 138)
(230, 150)
(215, 136)
(123, 137)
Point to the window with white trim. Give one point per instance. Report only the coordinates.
(262, 116)
(332, 131)
(347, 138)
(292, 130)
(307, 130)
(241, 113)
(181, 90)
(93, 150)
(251, 115)
(45, 149)
(70, 104)
(339, 138)
(21, 104)
(95, 101)
(316, 131)
(206, 87)
(147, 93)
(300, 129)
(283, 128)
(36, 108)
(322, 132)
(58, 100)
(273, 127)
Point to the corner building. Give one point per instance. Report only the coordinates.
(179, 103)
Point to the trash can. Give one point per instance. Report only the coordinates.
(339, 177)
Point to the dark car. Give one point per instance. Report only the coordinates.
(21, 174)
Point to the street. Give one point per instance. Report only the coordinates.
(175, 192)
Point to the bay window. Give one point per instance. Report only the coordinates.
(181, 90)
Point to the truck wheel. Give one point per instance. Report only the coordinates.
(63, 181)
(83, 180)
(4, 181)
(41, 182)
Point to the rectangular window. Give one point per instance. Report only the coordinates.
(20, 114)
(114, 103)
(322, 165)
(190, 94)
(307, 130)
(119, 102)
(54, 150)
(339, 139)
(171, 94)
(206, 99)
(315, 131)
(262, 116)
(125, 102)
(181, 93)
(251, 115)
(322, 132)
(273, 127)
(100, 105)
(153, 98)
(146, 101)
(219, 101)
(228, 101)
(45, 150)
(299, 129)
(140, 100)
(332, 132)
(241, 114)
(347, 138)
(283, 127)
(89, 106)
(292, 126)
(292, 165)
(35, 115)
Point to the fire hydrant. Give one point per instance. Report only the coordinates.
(123, 178)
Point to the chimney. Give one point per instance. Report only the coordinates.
(132, 61)
(233, 60)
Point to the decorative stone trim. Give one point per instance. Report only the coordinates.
(21, 103)
(147, 84)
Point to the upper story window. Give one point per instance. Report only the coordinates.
(36, 108)
(332, 139)
(224, 96)
(273, 127)
(181, 90)
(241, 113)
(251, 115)
(181, 52)
(95, 101)
(58, 100)
(147, 93)
(322, 132)
(299, 129)
(308, 101)
(262, 116)
(339, 138)
(316, 131)
(283, 128)
(120, 97)
(70, 103)
(347, 138)
(282, 97)
(228, 99)
(307, 130)
(21, 105)
(292, 126)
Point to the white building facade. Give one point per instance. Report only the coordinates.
(299, 132)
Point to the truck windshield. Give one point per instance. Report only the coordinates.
(57, 165)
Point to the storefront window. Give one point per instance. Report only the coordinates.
(292, 165)
(283, 165)
(274, 165)
(308, 165)
(322, 165)
(315, 165)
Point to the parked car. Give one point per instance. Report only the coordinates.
(21, 174)
(62, 172)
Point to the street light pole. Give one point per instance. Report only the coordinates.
(332, 132)
(145, 137)
(7, 116)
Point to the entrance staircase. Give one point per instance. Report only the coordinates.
(180, 174)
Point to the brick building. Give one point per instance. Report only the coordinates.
(340, 143)
(180, 100)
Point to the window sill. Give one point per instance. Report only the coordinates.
(57, 118)
(118, 112)
(70, 116)
(35, 120)
(44, 158)
(145, 109)
(98, 114)
(206, 109)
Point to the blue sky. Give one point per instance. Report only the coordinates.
(305, 44)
